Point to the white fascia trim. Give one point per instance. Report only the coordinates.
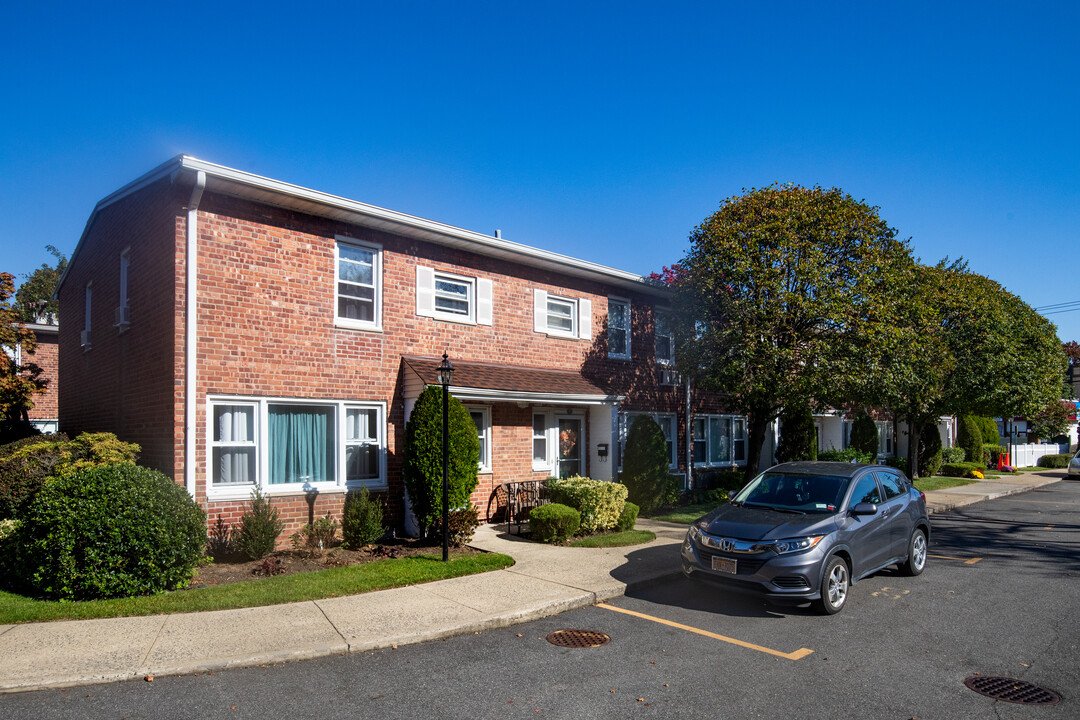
(39, 328)
(429, 226)
(556, 399)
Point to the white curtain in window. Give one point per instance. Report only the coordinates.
(235, 425)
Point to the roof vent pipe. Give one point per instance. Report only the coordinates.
(498, 234)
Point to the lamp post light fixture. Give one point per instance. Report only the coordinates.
(446, 371)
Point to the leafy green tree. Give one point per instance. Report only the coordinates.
(864, 434)
(988, 429)
(969, 437)
(776, 294)
(798, 434)
(19, 381)
(423, 456)
(34, 296)
(1051, 421)
(645, 464)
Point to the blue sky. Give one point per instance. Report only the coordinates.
(600, 130)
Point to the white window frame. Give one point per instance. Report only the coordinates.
(885, 438)
(85, 336)
(479, 297)
(626, 419)
(580, 315)
(484, 434)
(733, 439)
(670, 335)
(377, 282)
(122, 310)
(548, 463)
(626, 303)
(242, 491)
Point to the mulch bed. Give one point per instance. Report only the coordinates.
(224, 571)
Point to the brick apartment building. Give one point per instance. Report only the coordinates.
(248, 332)
(44, 415)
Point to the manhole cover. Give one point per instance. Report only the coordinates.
(1014, 691)
(578, 638)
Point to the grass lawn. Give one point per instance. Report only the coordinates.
(333, 582)
(940, 483)
(616, 539)
(686, 514)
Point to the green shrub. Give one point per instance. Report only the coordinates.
(1054, 461)
(798, 436)
(864, 435)
(314, 538)
(851, 454)
(645, 466)
(960, 469)
(991, 453)
(363, 519)
(462, 524)
(953, 455)
(897, 462)
(600, 503)
(628, 518)
(424, 461)
(219, 544)
(554, 523)
(698, 496)
(259, 528)
(9, 571)
(25, 465)
(988, 429)
(929, 450)
(969, 437)
(111, 531)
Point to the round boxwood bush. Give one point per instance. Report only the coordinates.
(628, 518)
(110, 531)
(554, 523)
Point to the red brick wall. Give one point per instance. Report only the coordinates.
(46, 356)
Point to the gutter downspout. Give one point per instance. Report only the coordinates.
(190, 317)
(689, 440)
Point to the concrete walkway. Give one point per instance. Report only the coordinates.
(545, 580)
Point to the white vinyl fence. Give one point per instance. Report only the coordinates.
(1028, 455)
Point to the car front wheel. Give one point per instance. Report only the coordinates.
(835, 584)
(916, 556)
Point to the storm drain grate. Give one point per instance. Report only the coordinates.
(1014, 691)
(578, 638)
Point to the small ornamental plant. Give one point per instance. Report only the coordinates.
(259, 528)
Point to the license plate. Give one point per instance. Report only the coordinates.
(725, 565)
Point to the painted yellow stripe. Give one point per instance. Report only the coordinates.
(798, 654)
(1045, 502)
(966, 561)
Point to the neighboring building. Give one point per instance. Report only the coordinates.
(44, 414)
(248, 332)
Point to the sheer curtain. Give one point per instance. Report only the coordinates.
(234, 430)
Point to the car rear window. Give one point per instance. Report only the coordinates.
(808, 493)
(891, 484)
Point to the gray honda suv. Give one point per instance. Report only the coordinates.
(807, 531)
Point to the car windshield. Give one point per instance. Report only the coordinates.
(798, 493)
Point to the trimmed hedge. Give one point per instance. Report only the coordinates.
(645, 466)
(961, 469)
(600, 503)
(991, 453)
(929, 450)
(112, 531)
(1054, 461)
(850, 454)
(953, 455)
(969, 436)
(554, 523)
(628, 518)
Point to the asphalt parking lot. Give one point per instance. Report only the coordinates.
(998, 598)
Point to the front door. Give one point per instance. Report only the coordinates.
(571, 447)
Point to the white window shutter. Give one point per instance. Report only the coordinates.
(585, 319)
(540, 311)
(483, 301)
(425, 291)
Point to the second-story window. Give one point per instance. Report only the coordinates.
(456, 298)
(359, 284)
(618, 330)
(122, 321)
(562, 316)
(665, 339)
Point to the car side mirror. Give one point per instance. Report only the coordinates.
(864, 508)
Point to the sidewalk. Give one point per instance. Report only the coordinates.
(545, 580)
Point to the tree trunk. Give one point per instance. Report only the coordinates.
(758, 422)
(913, 449)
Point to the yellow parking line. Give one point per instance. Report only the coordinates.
(800, 653)
(967, 561)
(1046, 502)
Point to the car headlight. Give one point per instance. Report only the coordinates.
(791, 545)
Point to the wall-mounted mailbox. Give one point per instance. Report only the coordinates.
(601, 449)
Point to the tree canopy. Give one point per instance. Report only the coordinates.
(20, 379)
(776, 292)
(34, 296)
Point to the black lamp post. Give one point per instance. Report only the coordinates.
(446, 371)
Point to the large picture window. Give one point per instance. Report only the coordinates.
(359, 284)
(719, 440)
(285, 446)
(667, 423)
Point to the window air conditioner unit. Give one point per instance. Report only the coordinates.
(123, 316)
(669, 377)
(84, 338)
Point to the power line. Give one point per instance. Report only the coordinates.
(1058, 306)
